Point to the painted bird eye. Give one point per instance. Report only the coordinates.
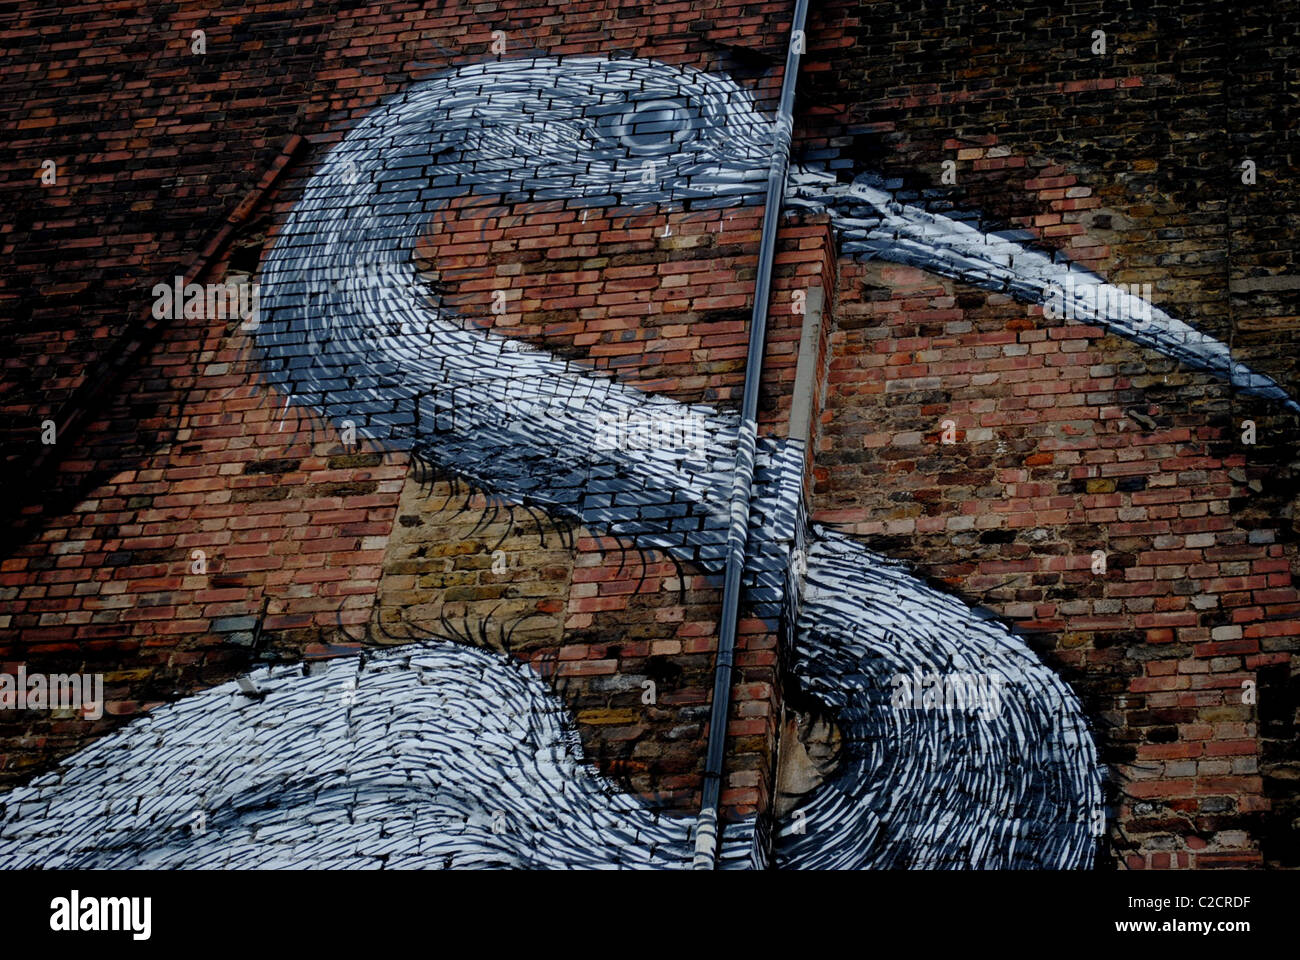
(651, 124)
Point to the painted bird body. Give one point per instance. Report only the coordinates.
(350, 330)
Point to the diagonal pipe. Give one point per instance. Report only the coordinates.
(742, 483)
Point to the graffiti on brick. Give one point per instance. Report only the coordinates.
(872, 220)
(300, 775)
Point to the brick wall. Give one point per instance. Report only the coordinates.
(1068, 441)
(312, 548)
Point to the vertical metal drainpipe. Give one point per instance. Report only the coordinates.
(742, 480)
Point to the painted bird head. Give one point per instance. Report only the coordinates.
(350, 329)
(587, 130)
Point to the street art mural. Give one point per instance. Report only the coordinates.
(436, 754)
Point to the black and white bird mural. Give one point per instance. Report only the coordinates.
(437, 754)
